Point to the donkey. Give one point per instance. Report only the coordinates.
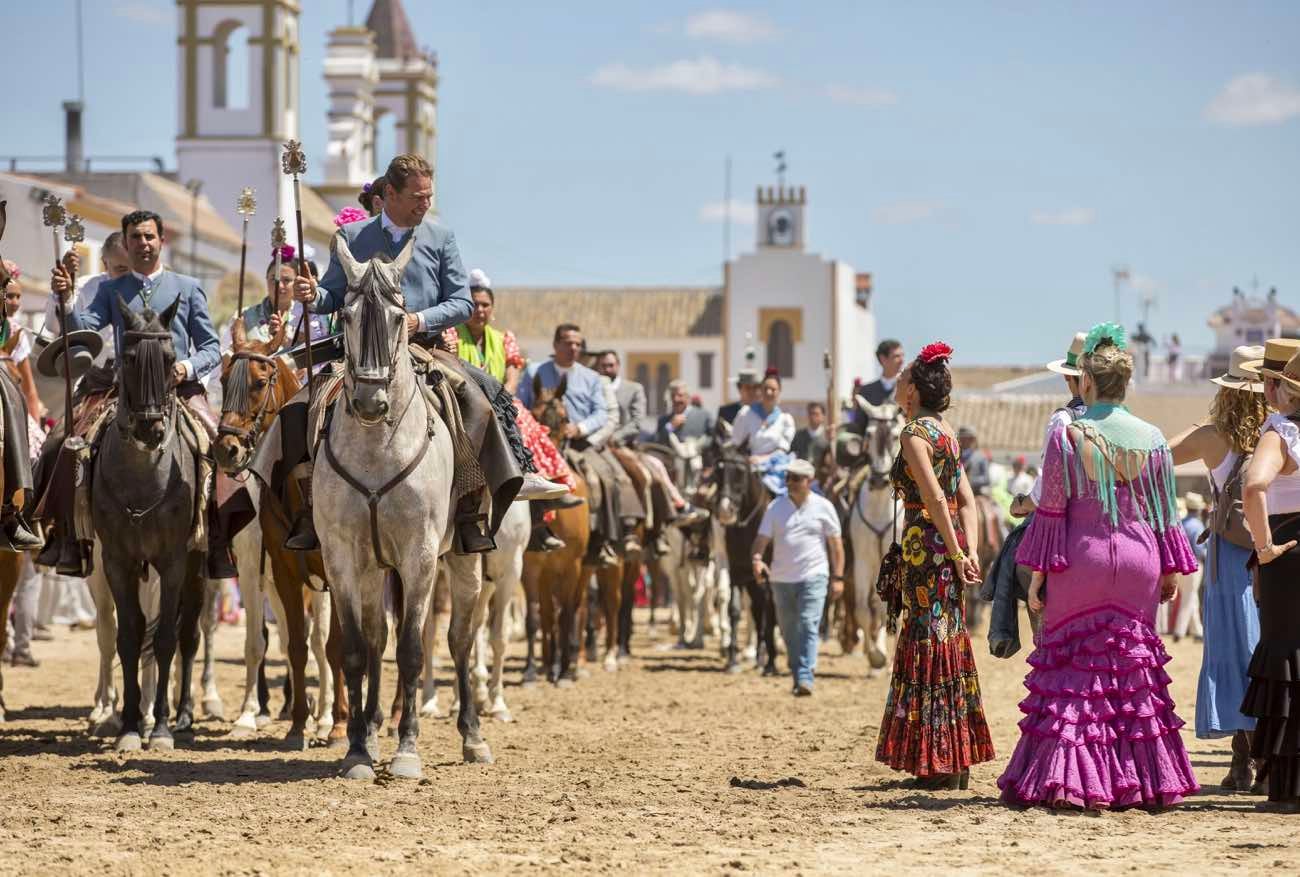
(255, 386)
(384, 445)
(874, 519)
(145, 485)
(741, 500)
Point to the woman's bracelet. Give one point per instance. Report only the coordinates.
(958, 556)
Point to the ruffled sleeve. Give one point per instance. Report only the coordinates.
(1176, 554)
(1288, 431)
(1044, 545)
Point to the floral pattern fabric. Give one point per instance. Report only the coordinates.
(934, 717)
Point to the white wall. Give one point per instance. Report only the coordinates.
(855, 348)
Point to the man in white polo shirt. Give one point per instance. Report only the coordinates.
(804, 532)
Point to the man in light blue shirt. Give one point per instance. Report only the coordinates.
(615, 505)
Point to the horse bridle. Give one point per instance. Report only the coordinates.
(248, 438)
(723, 465)
(350, 375)
(149, 414)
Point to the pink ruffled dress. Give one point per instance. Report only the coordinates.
(1099, 729)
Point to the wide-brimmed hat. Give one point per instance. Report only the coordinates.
(1277, 352)
(1194, 501)
(800, 468)
(747, 377)
(1289, 373)
(1237, 377)
(1070, 365)
(83, 346)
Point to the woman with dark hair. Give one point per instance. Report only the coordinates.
(1100, 729)
(1271, 499)
(767, 432)
(372, 196)
(262, 321)
(934, 726)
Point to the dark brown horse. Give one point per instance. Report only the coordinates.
(554, 581)
(256, 385)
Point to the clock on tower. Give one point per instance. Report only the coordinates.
(781, 217)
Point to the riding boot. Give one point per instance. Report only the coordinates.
(630, 543)
(472, 536)
(302, 535)
(15, 530)
(543, 539)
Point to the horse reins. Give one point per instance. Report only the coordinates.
(234, 403)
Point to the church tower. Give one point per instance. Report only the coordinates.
(372, 72)
(238, 62)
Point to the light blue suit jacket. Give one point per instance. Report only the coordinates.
(434, 285)
(193, 335)
(584, 395)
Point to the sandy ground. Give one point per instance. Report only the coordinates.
(641, 771)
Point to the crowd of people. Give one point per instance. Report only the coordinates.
(1102, 532)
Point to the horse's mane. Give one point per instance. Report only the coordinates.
(149, 344)
(374, 334)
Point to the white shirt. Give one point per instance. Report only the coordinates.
(396, 232)
(764, 438)
(889, 383)
(1283, 492)
(1060, 418)
(23, 346)
(799, 535)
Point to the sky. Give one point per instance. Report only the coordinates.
(988, 163)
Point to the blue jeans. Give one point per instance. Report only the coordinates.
(799, 613)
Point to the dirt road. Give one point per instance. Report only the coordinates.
(667, 766)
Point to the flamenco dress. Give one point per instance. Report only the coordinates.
(934, 719)
(1273, 694)
(1099, 727)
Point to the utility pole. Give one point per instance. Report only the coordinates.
(726, 219)
(1119, 274)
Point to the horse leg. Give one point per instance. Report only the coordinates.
(357, 764)
(501, 598)
(123, 579)
(537, 593)
(193, 599)
(570, 604)
(250, 594)
(410, 629)
(611, 599)
(734, 604)
(213, 708)
(334, 647)
(769, 629)
(293, 632)
(172, 578)
(429, 696)
(320, 623)
(466, 575)
(722, 591)
(104, 719)
(627, 601)
(375, 619)
(479, 676)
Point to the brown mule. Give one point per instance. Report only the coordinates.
(256, 386)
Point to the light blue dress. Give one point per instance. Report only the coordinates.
(1231, 625)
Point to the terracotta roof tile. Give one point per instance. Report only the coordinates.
(392, 30)
(610, 313)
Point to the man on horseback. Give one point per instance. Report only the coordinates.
(889, 353)
(150, 285)
(436, 293)
(615, 506)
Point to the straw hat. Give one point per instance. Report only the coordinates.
(1194, 501)
(1290, 373)
(1277, 351)
(1070, 365)
(1237, 377)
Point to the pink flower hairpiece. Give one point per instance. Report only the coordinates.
(14, 271)
(935, 352)
(349, 214)
(287, 253)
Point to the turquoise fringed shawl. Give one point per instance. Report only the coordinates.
(1118, 440)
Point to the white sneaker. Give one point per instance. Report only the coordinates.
(537, 487)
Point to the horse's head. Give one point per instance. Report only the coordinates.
(374, 330)
(548, 408)
(880, 439)
(146, 397)
(732, 475)
(254, 384)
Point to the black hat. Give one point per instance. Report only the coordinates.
(83, 346)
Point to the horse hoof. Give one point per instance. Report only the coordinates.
(357, 767)
(434, 710)
(733, 669)
(262, 720)
(213, 708)
(184, 725)
(501, 714)
(161, 743)
(876, 658)
(241, 732)
(322, 730)
(611, 664)
(771, 671)
(477, 753)
(564, 682)
(406, 766)
(583, 673)
(109, 727)
(295, 742)
(129, 742)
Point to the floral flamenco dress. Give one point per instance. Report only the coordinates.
(1099, 729)
(934, 720)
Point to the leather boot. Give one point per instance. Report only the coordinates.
(543, 539)
(19, 536)
(49, 555)
(472, 536)
(72, 559)
(302, 535)
(1240, 776)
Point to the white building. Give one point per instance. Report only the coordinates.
(791, 307)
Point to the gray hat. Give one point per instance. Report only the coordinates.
(800, 468)
(748, 377)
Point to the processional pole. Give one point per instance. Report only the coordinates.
(245, 206)
(294, 163)
(55, 217)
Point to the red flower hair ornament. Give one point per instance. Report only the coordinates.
(936, 352)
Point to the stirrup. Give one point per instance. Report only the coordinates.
(302, 536)
(471, 535)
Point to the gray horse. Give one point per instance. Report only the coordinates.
(143, 506)
(383, 484)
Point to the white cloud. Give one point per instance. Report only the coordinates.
(704, 75)
(907, 212)
(1254, 99)
(1068, 216)
(741, 212)
(729, 26)
(142, 13)
(861, 96)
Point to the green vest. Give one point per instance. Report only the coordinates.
(492, 358)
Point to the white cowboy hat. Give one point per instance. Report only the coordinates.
(801, 468)
(1070, 365)
(1237, 377)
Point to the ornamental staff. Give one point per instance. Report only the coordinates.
(245, 206)
(294, 162)
(54, 216)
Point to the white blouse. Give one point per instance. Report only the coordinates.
(1284, 492)
(764, 437)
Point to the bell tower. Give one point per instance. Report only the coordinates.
(238, 95)
(781, 217)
